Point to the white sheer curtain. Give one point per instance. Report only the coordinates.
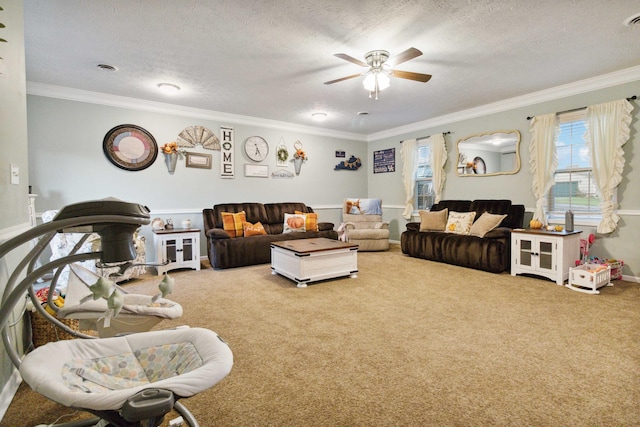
(438, 159)
(543, 159)
(409, 155)
(607, 131)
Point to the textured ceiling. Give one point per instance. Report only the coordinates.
(269, 59)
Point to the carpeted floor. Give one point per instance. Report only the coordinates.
(407, 343)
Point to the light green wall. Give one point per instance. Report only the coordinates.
(13, 119)
(68, 165)
(621, 244)
(13, 145)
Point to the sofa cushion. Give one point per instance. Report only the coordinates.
(433, 221)
(232, 223)
(294, 222)
(311, 220)
(494, 206)
(254, 212)
(486, 223)
(253, 229)
(452, 205)
(275, 212)
(459, 222)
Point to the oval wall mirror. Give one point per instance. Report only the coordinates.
(489, 154)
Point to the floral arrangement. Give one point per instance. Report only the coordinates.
(282, 154)
(300, 154)
(172, 148)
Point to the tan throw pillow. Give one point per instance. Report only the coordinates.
(433, 221)
(293, 222)
(232, 223)
(486, 223)
(253, 229)
(459, 222)
(311, 222)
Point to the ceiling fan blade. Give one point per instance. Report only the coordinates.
(351, 59)
(408, 54)
(412, 76)
(342, 79)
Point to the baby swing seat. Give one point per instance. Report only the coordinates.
(125, 380)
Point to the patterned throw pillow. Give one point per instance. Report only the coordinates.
(232, 223)
(253, 229)
(486, 223)
(311, 223)
(363, 206)
(433, 221)
(294, 222)
(459, 222)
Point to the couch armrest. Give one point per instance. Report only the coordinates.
(382, 225)
(349, 225)
(217, 233)
(498, 233)
(413, 226)
(325, 226)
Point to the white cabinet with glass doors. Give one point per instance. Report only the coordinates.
(177, 248)
(544, 253)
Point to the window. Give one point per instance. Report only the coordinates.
(424, 194)
(574, 188)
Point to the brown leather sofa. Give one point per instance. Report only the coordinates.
(226, 252)
(490, 253)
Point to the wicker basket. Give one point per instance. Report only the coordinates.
(44, 332)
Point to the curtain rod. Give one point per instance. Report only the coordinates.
(429, 136)
(582, 108)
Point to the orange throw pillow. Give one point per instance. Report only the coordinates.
(253, 229)
(311, 222)
(232, 223)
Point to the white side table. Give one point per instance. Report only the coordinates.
(180, 247)
(544, 253)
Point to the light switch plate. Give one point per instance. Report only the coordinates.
(15, 174)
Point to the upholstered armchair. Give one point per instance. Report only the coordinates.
(363, 225)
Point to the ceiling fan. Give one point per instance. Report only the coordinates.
(380, 71)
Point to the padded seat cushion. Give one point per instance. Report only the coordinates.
(368, 234)
(44, 368)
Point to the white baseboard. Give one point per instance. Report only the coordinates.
(9, 391)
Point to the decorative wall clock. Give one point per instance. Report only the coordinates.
(130, 147)
(256, 148)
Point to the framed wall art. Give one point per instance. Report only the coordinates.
(198, 160)
(130, 147)
(256, 171)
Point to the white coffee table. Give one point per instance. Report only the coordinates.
(310, 260)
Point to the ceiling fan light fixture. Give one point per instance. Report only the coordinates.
(376, 80)
(318, 117)
(169, 88)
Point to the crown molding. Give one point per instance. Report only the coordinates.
(576, 88)
(604, 81)
(70, 94)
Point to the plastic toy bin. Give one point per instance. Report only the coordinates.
(589, 277)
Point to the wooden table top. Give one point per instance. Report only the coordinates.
(319, 244)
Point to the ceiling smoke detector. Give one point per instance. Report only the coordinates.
(633, 20)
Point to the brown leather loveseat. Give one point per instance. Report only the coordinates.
(492, 252)
(225, 251)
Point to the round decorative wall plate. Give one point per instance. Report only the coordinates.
(130, 147)
(479, 166)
